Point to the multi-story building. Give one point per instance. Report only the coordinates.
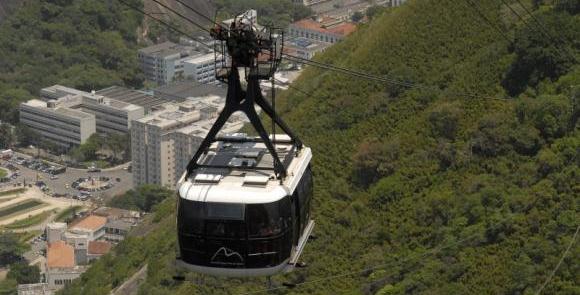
(305, 48)
(93, 226)
(68, 116)
(61, 268)
(322, 29)
(200, 68)
(309, 2)
(55, 231)
(163, 63)
(163, 143)
(63, 126)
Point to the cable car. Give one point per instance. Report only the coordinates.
(238, 219)
(244, 202)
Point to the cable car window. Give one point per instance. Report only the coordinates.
(191, 215)
(225, 211)
(268, 219)
(226, 229)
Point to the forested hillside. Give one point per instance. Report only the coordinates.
(424, 190)
(79, 43)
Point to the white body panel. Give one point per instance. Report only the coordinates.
(231, 188)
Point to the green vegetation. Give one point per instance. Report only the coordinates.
(11, 248)
(12, 192)
(21, 206)
(118, 146)
(78, 43)
(143, 198)
(277, 13)
(451, 194)
(23, 273)
(30, 221)
(67, 214)
(3, 173)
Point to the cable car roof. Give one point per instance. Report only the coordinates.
(236, 174)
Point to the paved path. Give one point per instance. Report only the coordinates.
(131, 285)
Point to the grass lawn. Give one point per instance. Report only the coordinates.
(99, 163)
(67, 213)
(30, 221)
(3, 200)
(12, 192)
(24, 205)
(3, 172)
(26, 236)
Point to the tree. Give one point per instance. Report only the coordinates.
(357, 16)
(539, 58)
(143, 198)
(26, 136)
(24, 273)
(11, 249)
(7, 137)
(119, 144)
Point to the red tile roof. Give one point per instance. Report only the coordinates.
(91, 222)
(60, 255)
(99, 248)
(326, 25)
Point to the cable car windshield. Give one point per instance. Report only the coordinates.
(230, 220)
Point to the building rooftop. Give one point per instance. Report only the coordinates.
(200, 58)
(119, 224)
(326, 25)
(60, 255)
(116, 213)
(91, 222)
(99, 247)
(56, 225)
(163, 49)
(140, 98)
(187, 89)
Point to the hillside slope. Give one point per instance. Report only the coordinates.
(424, 190)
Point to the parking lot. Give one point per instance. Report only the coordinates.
(30, 171)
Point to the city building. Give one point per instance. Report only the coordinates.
(97, 249)
(61, 125)
(395, 3)
(309, 2)
(93, 226)
(33, 289)
(321, 28)
(163, 142)
(143, 99)
(182, 90)
(163, 63)
(200, 68)
(55, 231)
(117, 230)
(68, 117)
(304, 48)
(61, 268)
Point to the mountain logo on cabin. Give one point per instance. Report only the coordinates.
(226, 256)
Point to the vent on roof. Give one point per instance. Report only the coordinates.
(242, 163)
(249, 154)
(256, 180)
(208, 178)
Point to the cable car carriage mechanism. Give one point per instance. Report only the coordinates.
(244, 202)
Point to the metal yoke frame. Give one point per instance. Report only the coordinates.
(239, 100)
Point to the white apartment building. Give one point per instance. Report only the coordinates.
(164, 63)
(163, 143)
(68, 117)
(200, 68)
(64, 126)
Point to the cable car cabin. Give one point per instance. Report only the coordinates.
(236, 219)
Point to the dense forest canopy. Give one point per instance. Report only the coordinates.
(79, 43)
(448, 193)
